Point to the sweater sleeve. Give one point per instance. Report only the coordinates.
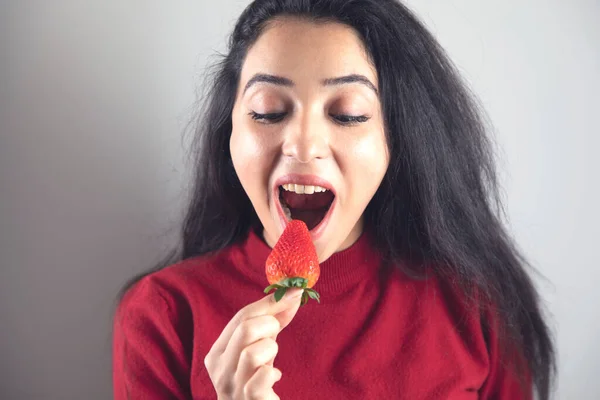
(149, 356)
(503, 382)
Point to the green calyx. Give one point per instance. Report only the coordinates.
(283, 285)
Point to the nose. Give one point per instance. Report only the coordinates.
(307, 139)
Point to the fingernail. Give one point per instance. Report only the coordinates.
(293, 294)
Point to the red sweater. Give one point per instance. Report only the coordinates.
(376, 334)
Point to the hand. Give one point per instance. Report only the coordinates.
(240, 362)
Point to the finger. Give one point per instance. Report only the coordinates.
(247, 333)
(253, 357)
(265, 306)
(286, 316)
(260, 385)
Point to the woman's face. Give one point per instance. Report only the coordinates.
(320, 132)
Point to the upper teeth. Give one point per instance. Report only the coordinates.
(303, 189)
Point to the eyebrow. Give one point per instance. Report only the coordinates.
(281, 81)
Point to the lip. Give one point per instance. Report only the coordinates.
(312, 180)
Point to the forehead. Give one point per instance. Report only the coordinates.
(307, 51)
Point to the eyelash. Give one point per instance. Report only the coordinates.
(346, 120)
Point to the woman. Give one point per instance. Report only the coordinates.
(348, 115)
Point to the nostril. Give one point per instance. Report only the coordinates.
(305, 148)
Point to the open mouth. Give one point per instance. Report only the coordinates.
(309, 204)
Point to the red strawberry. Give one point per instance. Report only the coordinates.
(293, 263)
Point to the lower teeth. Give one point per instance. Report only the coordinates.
(287, 212)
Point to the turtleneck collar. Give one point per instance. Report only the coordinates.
(339, 273)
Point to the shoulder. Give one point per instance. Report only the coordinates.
(440, 293)
(445, 308)
(480, 325)
(175, 290)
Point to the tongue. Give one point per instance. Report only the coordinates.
(311, 218)
(303, 202)
(310, 208)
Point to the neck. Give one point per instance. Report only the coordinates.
(339, 273)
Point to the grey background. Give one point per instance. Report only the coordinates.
(95, 96)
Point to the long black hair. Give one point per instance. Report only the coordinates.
(438, 203)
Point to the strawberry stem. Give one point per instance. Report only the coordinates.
(294, 282)
(304, 299)
(313, 295)
(279, 293)
(299, 282)
(273, 286)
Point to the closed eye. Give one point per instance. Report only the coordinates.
(345, 120)
(271, 118)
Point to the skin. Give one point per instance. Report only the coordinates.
(240, 362)
(307, 140)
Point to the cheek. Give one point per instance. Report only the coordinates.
(250, 156)
(366, 165)
(370, 156)
(243, 148)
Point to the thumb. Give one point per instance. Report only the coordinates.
(285, 316)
